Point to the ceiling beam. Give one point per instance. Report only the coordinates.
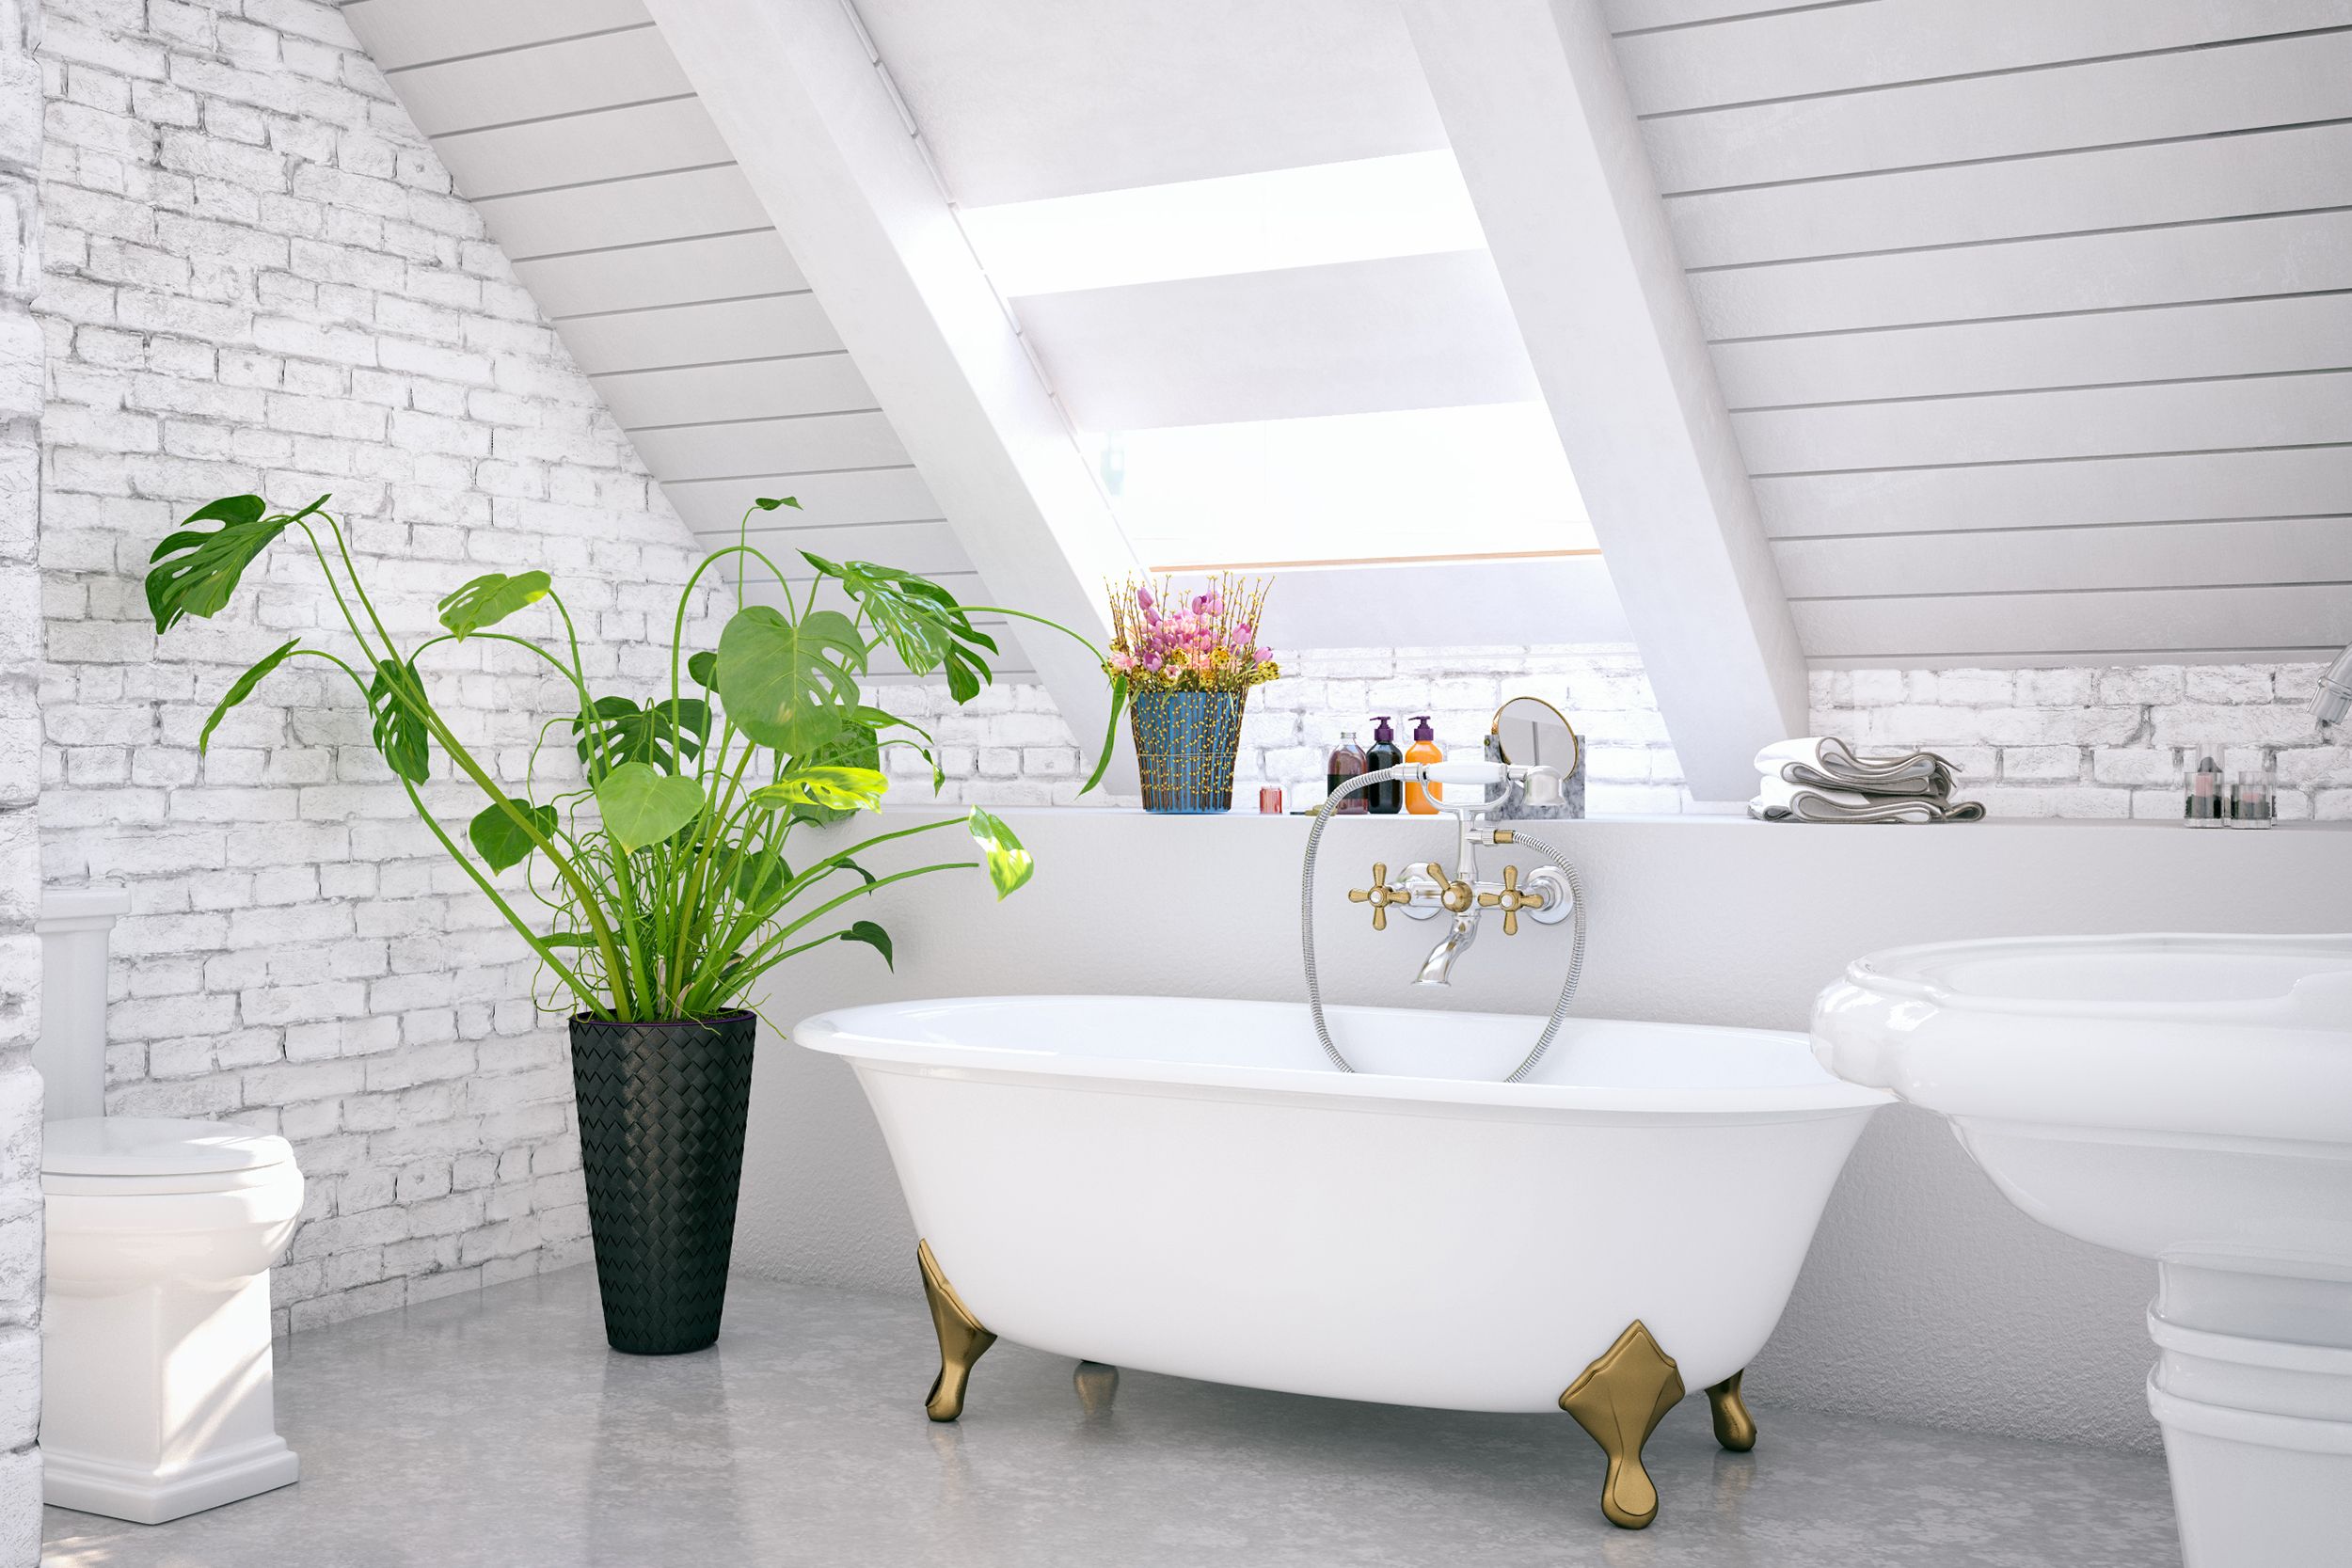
(828, 147)
(1533, 101)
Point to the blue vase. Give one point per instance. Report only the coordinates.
(1184, 747)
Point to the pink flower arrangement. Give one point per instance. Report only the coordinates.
(1164, 640)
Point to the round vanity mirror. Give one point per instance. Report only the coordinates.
(1530, 733)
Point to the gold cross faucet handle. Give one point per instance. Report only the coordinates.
(1381, 895)
(1512, 899)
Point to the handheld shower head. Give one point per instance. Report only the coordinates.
(2332, 706)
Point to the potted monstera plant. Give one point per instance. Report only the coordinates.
(658, 891)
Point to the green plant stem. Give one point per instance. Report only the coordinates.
(432, 823)
(755, 962)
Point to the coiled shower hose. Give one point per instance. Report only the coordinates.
(1306, 930)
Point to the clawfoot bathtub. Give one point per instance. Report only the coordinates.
(1187, 1187)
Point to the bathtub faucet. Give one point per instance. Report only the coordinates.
(1549, 895)
(1429, 890)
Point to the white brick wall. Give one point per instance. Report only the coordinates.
(20, 787)
(1009, 746)
(2068, 742)
(257, 278)
(2036, 742)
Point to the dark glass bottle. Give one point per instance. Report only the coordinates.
(1388, 797)
(1347, 762)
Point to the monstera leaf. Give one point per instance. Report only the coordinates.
(195, 572)
(644, 805)
(625, 732)
(489, 599)
(922, 620)
(242, 687)
(704, 667)
(1009, 863)
(500, 840)
(400, 732)
(837, 789)
(786, 683)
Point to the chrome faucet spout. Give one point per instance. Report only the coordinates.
(1438, 970)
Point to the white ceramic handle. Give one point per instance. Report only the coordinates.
(1463, 772)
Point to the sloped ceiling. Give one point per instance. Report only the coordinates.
(569, 126)
(2035, 320)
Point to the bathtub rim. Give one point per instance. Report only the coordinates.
(834, 1032)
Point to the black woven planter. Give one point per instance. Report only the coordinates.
(661, 1112)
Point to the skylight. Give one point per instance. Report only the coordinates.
(1310, 366)
(1412, 204)
(1434, 484)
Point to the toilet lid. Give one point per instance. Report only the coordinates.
(156, 1145)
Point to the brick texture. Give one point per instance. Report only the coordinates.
(19, 786)
(2035, 742)
(257, 278)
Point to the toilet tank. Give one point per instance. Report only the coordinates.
(70, 1055)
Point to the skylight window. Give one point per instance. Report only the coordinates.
(1436, 483)
(1412, 204)
(1312, 366)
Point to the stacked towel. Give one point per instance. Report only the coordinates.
(1822, 779)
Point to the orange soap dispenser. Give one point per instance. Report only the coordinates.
(1421, 800)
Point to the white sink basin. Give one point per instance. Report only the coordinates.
(2187, 1098)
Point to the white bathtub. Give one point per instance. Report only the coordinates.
(1185, 1186)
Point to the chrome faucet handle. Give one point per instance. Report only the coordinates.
(1381, 895)
(1511, 900)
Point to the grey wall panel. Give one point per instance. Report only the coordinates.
(1968, 204)
(641, 210)
(2294, 620)
(1630, 16)
(399, 33)
(890, 493)
(769, 446)
(2151, 555)
(606, 144)
(1826, 49)
(2197, 415)
(2237, 87)
(736, 330)
(674, 272)
(2302, 253)
(804, 384)
(2305, 482)
(568, 77)
(2171, 343)
(928, 548)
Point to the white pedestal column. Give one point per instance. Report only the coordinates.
(2254, 1389)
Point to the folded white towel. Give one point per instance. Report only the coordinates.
(1779, 800)
(1826, 762)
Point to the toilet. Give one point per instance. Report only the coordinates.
(156, 1377)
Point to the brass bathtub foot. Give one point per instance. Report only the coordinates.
(1734, 1429)
(1096, 1384)
(1619, 1400)
(962, 1339)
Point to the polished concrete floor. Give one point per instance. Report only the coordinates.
(498, 1430)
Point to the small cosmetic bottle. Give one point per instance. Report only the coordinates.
(1269, 799)
(1347, 762)
(1386, 798)
(2254, 794)
(2204, 788)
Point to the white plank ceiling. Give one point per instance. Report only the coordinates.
(570, 127)
(2035, 318)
